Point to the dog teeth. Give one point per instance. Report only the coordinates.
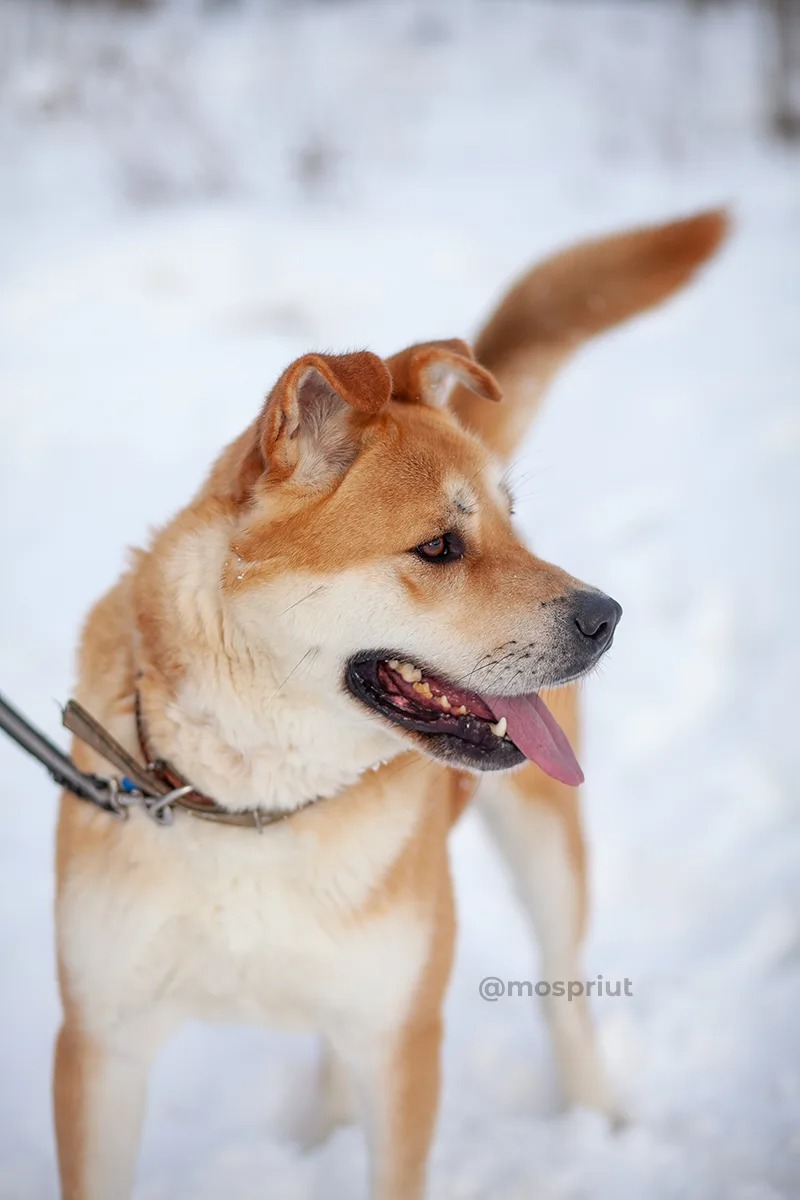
(499, 730)
(424, 689)
(394, 664)
(445, 703)
(462, 711)
(408, 672)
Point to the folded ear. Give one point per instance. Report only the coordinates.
(306, 428)
(428, 372)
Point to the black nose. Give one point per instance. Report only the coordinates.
(596, 617)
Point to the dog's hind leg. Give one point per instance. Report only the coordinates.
(535, 822)
(333, 1105)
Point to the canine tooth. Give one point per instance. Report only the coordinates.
(499, 730)
(424, 689)
(445, 703)
(410, 673)
(462, 711)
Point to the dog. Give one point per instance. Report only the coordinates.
(331, 643)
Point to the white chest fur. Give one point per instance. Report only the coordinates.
(229, 925)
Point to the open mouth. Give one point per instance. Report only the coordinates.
(484, 732)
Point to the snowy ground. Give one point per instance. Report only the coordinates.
(187, 204)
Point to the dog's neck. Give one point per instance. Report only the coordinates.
(267, 729)
(247, 749)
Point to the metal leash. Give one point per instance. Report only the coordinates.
(109, 793)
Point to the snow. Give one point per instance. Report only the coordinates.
(190, 199)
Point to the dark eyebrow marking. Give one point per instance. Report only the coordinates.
(463, 500)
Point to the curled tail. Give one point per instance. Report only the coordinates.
(569, 298)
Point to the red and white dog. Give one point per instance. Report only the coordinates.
(342, 627)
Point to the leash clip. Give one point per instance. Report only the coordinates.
(123, 795)
(160, 808)
(118, 798)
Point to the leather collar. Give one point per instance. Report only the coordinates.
(198, 803)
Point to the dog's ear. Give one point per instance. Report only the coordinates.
(428, 372)
(306, 428)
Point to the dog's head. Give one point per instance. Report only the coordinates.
(373, 539)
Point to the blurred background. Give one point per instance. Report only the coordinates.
(191, 194)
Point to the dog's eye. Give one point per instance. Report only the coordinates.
(446, 548)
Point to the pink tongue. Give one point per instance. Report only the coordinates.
(534, 730)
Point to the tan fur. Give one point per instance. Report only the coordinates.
(427, 373)
(569, 298)
(233, 627)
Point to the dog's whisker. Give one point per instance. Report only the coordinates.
(468, 679)
(312, 650)
(314, 592)
(491, 666)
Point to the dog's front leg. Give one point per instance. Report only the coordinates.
(397, 1084)
(99, 1095)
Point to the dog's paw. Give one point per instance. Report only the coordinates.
(607, 1106)
(588, 1087)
